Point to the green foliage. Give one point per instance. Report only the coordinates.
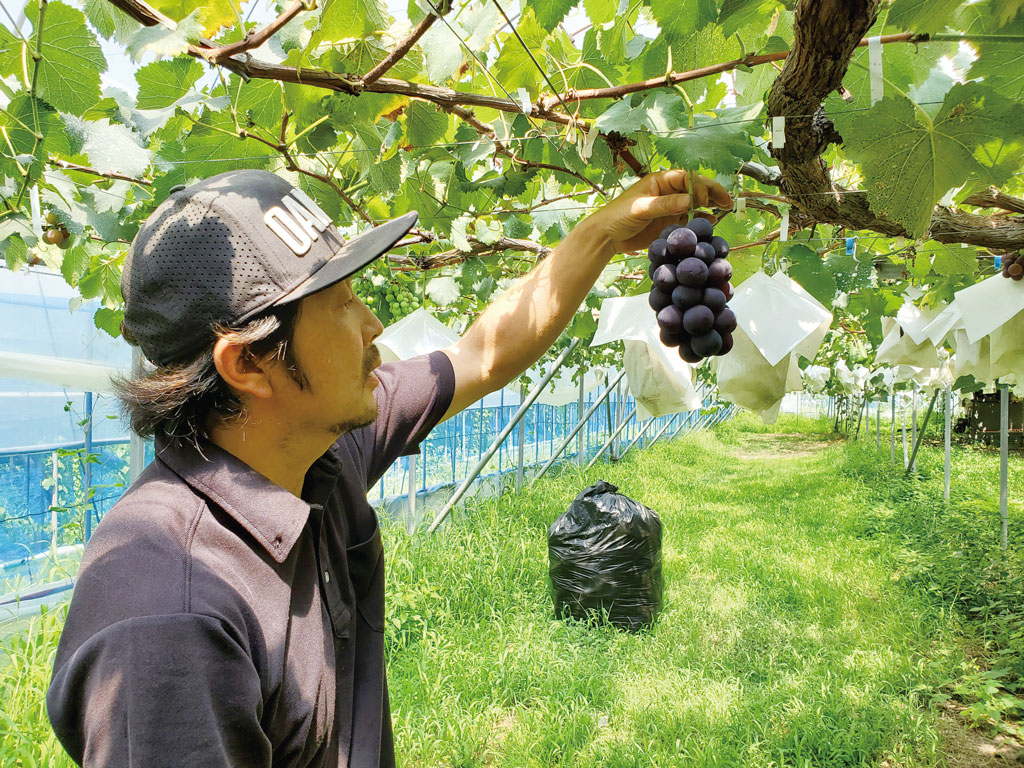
(955, 125)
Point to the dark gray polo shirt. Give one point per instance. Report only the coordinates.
(218, 620)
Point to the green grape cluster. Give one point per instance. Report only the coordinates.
(400, 301)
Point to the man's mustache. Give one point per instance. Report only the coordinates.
(371, 359)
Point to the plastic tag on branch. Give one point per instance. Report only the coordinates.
(37, 220)
(660, 382)
(741, 207)
(418, 333)
(778, 132)
(784, 225)
(875, 68)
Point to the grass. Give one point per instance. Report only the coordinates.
(805, 622)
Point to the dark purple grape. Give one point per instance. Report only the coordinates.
(672, 339)
(686, 352)
(664, 277)
(698, 320)
(725, 321)
(701, 227)
(670, 319)
(659, 299)
(681, 243)
(658, 252)
(727, 290)
(707, 344)
(686, 296)
(650, 270)
(719, 272)
(668, 230)
(713, 299)
(726, 344)
(705, 252)
(692, 271)
(721, 247)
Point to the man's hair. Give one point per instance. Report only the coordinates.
(184, 401)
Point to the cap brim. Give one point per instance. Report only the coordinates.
(353, 256)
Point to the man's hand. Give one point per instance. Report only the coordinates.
(636, 217)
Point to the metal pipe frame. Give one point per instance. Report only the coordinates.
(920, 436)
(611, 439)
(664, 429)
(947, 440)
(579, 425)
(639, 435)
(892, 426)
(1004, 458)
(513, 422)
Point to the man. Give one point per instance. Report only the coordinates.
(229, 610)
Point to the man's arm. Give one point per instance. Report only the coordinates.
(520, 325)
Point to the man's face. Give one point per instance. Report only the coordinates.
(332, 345)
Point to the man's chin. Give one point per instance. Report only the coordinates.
(342, 427)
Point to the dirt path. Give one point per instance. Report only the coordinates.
(790, 446)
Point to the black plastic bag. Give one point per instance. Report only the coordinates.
(604, 555)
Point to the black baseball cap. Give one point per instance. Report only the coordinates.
(229, 248)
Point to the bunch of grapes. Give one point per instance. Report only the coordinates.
(56, 234)
(401, 301)
(691, 287)
(1013, 266)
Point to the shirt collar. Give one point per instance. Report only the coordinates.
(273, 516)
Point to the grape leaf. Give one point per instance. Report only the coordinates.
(600, 11)
(551, 12)
(681, 18)
(950, 261)
(514, 68)
(109, 20)
(739, 14)
(479, 23)
(721, 143)
(109, 320)
(112, 147)
(69, 71)
(10, 52)
(19, 114)
(424, 124)
(342, 19)
(459, 237)
(977, 134)
(922, 15)
(164, 82)
(213, 13)
(621, 117)
(163, 41)
(213, 146)
(807, 269)
(1002, 64)
(442, 52)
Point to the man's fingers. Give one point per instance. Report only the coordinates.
(719, 195)
(648, 208)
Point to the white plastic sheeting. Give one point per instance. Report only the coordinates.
(71, 374)
(658, 379)
(418, 333)
(778, 323)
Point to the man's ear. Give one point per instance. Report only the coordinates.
(238, 368)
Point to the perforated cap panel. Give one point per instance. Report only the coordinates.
(226, 249)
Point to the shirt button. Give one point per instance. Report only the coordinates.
(327, 578)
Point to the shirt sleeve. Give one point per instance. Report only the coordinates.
(412, 398)
(156, 691)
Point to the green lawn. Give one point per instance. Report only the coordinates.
(815, 605)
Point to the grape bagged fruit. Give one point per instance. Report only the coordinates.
(691, 290)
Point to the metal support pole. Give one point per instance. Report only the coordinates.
(913, 399)
(948, 438)
(522, 440)
(892, 427)
(906, 453)
(87, 466)
(411, 489)
(519, 414)
(579, 425)
(878, 426)
(136, 445)
(640, 435)
(580, 456)
(860, 415)
(611, 439)
(920, 437)
(55, 475)
(1004, 457)
(664, 429)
